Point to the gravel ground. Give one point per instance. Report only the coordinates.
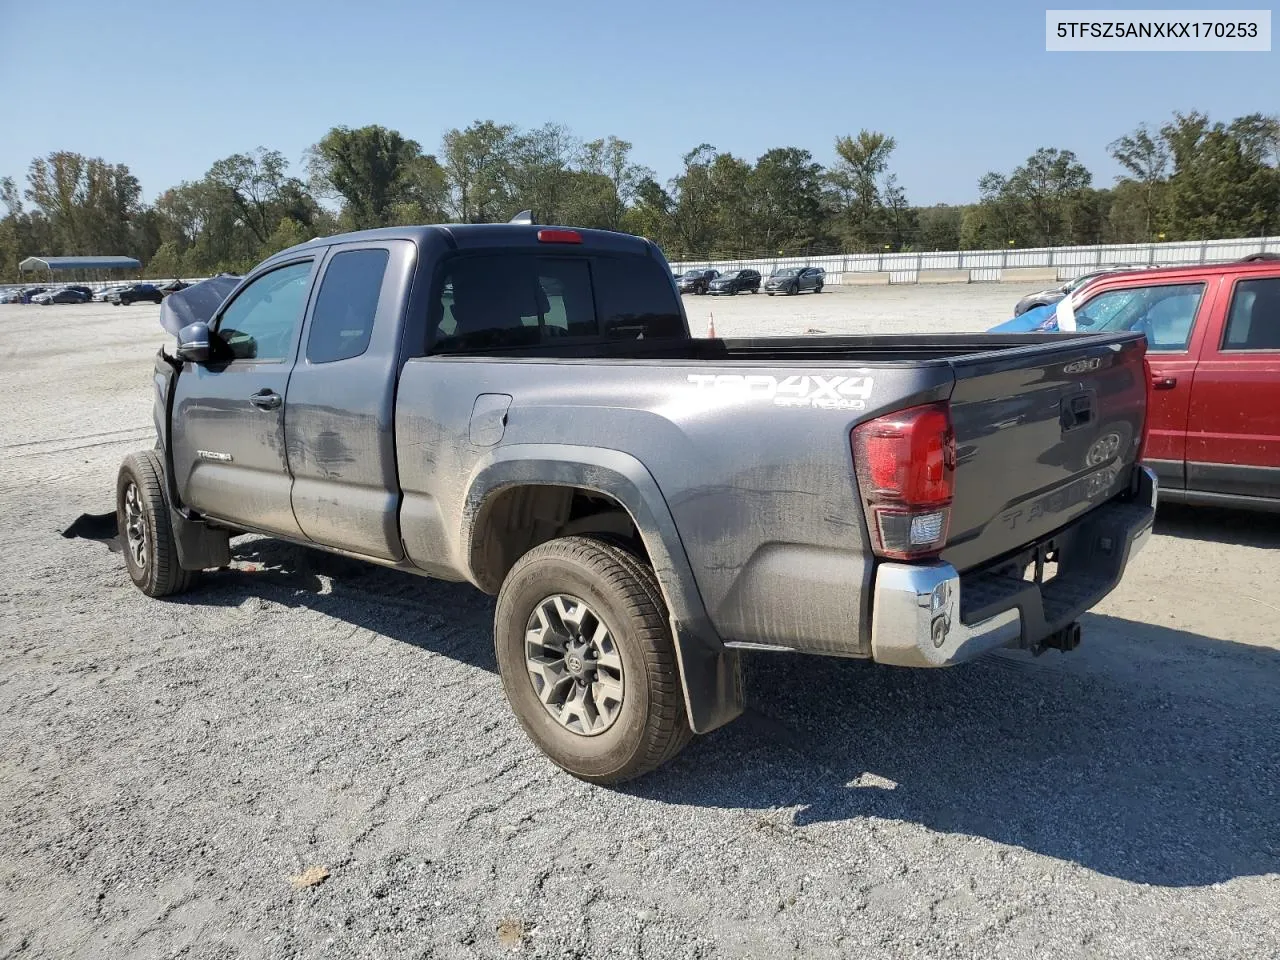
(173, 771)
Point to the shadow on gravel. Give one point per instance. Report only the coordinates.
(440, 617)
(1165, 772)
(1216, 525)
(1150, 755)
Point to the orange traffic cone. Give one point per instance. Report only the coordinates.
(711, 325)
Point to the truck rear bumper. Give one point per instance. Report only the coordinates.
(929, 615)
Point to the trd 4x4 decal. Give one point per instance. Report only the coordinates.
(823, 393)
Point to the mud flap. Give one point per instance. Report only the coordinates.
(200, 547)
(711, 678)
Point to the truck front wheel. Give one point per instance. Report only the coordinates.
(146, 535)
(587, 660)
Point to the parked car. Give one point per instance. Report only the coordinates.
(173, 286)
(104, 295)
(136, 293)
(795, 280)
(608, 510)
(735, 282)
(74, 294)
(1043, 298)
(696, 281)
(1213, 347)
(26, 294)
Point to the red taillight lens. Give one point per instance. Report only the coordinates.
(559, 236)
(906, 464)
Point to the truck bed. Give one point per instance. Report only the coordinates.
(749, 442)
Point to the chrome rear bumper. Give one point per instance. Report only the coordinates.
(917, 615)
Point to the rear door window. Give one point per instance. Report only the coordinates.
(1253, 322)
(342, 321)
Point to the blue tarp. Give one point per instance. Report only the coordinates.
(1030, 321)
(80, 263)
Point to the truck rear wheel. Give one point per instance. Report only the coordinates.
(587, 660)
(146, 535)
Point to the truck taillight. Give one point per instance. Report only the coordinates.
(906, 465)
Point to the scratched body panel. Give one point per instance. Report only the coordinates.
(763, 494)
(339, 423)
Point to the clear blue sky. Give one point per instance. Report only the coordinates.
(170, 87)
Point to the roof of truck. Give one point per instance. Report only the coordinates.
(1140, 274)
(480, 234)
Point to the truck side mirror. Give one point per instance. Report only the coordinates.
(193, 343)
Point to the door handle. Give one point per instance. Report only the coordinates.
(1163, 383)
(266, 400)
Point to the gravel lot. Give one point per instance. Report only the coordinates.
(170, 767)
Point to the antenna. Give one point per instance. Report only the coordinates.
(524, 216)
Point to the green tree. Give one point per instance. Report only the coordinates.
(256, 183)
(1259, 138)
(692, 215)
(288, 233)
(1219, 187)
(427, 194)
(539, 174)
(166, 261)
(370, 168)
(87, 202)
(786, 197)
(1040, 203)
(478, 165)
(609, 182)
(938, 227)
(857, 181)
(652, 215)
(733, 219)
(1145, 155)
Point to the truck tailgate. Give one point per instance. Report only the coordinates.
(1044, 433)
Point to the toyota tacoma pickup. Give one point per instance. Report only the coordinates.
(523, 408)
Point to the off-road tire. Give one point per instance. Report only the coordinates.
(652, 725)
(160, 575)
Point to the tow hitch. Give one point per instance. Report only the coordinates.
(1066, 639)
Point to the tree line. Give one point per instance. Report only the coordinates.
(1189, 178)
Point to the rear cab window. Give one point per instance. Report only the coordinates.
(496, 301)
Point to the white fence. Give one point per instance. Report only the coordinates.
(987, 266)
(982, 266)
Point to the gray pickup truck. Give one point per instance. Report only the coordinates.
(523, 408)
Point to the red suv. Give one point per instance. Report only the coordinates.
(1213, 345)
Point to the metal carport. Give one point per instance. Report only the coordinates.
(78, 264)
